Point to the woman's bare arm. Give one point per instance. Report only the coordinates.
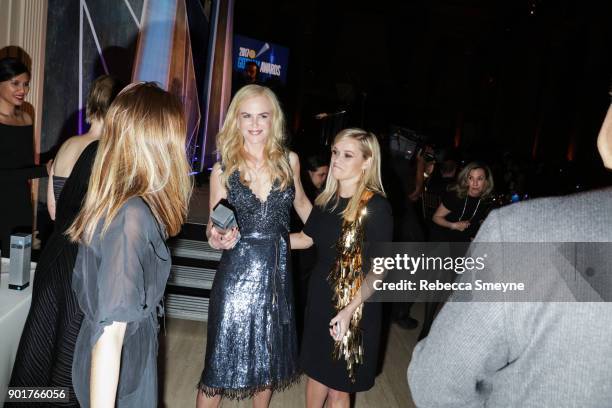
(439, 218)
(301, 203)
(299, 240)
(106, 365)
(50, 195)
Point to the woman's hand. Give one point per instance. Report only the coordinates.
(340, 324)
(223, 239)
(460, 225)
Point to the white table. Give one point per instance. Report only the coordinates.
(14, 307)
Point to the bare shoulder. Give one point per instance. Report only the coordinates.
(216, 177)
(68, 154)
(217, 169)
(294, 159)
(27, 119)
(63, 148)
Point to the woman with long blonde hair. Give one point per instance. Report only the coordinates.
(138, 197)
(251, 345)
(341, 333)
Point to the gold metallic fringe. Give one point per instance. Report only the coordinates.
(345, 278)
(249, 392)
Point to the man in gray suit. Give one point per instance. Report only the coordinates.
(529, 354)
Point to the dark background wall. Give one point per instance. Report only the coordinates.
(524, 78)
(117, 34)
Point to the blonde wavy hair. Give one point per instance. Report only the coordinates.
(230, 143)
(370, 180)
(141, 154)
(461, 187)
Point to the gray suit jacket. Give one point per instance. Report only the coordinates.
(529, 354)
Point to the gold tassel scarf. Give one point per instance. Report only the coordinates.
(345, 278)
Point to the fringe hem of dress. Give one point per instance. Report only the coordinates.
(249, 392)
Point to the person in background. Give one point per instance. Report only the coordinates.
(317, 167)
(138, 197)
(16, 153)
(103, 91)
(352, 207)
(46, 347)
(248, 76)
(251, 73)
(464, 208)
(442, 181)
(529, 354)
(458, 217)
(437, 186)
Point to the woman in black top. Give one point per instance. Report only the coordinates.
(16, 152)
(46, 347)
(464, 208)
(353, 201)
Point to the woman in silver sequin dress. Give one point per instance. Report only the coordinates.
(251, 347)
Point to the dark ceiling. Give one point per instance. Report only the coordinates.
(529, 77)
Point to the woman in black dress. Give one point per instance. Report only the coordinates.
(353, 204)
(16, 152)
(464, 208)
(459, 216)
(46, 347)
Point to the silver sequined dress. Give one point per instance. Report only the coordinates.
(251, 341)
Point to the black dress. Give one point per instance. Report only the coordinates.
(324, 227)
(471, 209)
(44, 357)
(16, 168)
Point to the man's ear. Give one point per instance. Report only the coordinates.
(604, 140)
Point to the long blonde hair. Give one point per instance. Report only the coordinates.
(370, 180)
(230, 143)
(141, 154)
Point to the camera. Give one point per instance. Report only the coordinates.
(407, 143)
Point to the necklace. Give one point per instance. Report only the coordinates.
(264, 209)
(465, 205)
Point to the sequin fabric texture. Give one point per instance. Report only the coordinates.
(251, 341)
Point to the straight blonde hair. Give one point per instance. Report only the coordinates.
(141, 154)
(230, 143)
(370, 180)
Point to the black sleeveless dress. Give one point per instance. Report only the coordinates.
(16, 168)
(251, 342)
(44, 357)
(324, 226)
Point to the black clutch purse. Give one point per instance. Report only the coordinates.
(223, 216)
